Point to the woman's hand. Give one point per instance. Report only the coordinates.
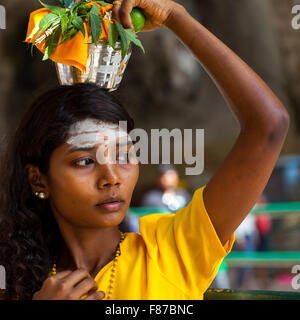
(68, 285)
(157, 12)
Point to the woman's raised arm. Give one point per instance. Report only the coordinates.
(235, 187)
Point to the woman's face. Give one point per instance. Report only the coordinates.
(79, 183)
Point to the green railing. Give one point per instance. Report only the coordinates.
(278, 259)
(278, 208)
(275, 208)
(229, 294)
(144, 211)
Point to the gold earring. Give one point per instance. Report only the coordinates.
(41, 195)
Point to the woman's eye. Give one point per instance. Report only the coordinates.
(84, 162)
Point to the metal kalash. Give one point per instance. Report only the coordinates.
(105, 66)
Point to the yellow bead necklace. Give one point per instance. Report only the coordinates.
(113, 268)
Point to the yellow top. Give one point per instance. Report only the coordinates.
(175, 256)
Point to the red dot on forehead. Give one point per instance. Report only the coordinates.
(105, 137)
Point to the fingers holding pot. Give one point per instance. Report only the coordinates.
(121, 12)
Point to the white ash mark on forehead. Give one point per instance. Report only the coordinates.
(93, 131)
(91, 125)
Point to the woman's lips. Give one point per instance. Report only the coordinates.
(111, 206)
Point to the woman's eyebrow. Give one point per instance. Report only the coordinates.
(90, 148)
(82, 148)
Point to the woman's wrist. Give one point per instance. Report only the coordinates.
(175, 14)
(183, 25)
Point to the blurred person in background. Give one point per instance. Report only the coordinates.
(263, 225)
(168, 194)
(245, 239)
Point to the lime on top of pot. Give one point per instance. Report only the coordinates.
(138, 19)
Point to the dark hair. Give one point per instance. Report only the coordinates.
(29, 236)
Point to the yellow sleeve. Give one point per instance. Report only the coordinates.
(185, 245)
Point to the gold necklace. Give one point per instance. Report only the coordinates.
(113, 268)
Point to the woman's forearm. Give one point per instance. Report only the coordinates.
(251, 100)
(236, 185)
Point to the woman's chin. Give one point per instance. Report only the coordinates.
(109, 219)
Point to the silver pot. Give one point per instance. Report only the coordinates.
(104, 67)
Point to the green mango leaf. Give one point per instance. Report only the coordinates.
(45, 24)
(124, 39)
(54, 9)
(83, 10)
(64, 23)
(73, 33)
(47, 20)
(76, 5)
(51, 43)
(113, 34)
(132, 36)
(69, 35)
(78, 23)
(95, 23)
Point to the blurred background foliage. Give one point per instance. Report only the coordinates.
(167, 87)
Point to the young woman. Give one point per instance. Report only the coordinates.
(61, 206)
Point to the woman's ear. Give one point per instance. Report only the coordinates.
(37, 181)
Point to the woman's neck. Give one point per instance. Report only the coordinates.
(90, 249)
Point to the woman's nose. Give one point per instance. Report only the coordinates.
(108, 176)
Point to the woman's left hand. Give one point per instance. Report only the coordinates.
(156, 12)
